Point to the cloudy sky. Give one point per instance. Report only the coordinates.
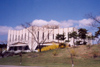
(66, 13)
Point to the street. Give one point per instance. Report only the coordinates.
(17, 66)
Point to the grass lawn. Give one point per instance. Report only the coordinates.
(62, 59)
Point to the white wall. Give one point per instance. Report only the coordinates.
(30, 40)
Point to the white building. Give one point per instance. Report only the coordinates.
(24, 40)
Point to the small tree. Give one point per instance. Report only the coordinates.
(60, 37)
(95, 25)
(34, 30)
(3, 45)
(73, 35)
(78, 42)
(71, 54)
(97, 34)
(82, 34)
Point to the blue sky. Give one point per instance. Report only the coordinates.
(69, 13)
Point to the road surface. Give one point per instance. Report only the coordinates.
(17, 66)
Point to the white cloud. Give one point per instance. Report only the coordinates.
(64, 24)
(53, 22)
(98, 18)
(85, 21)
(67, 23)
(18, 27)
(4, 29)
(40, 22)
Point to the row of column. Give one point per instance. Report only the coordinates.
(21, 35)
(25, 36)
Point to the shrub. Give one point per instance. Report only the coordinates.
(67, 45)
(62, 45)
(54, 53)
(67, 40)
(73, 52)
(0, 50)
(54, 46)
(84, 43)
(95, 53)
(88, 46)
(78, 42)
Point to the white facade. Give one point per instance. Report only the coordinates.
(19, 38)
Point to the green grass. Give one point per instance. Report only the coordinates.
(47, 59)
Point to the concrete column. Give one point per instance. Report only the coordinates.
(8, 43)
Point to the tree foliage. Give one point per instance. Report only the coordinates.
(95, 26)
(73, 35)
(82, 33)
(60, 36)
(97, 33)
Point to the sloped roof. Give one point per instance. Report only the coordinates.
(19, 44)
